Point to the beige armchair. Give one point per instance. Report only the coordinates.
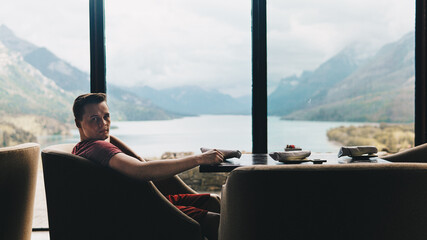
(348, 201)
(18, 176)
(88, 201)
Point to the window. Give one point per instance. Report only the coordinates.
(340, 63)
(168, 44)
(186, 62)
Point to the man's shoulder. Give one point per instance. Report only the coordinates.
(96, 150)
(91, 144)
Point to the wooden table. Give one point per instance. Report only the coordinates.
(265, 159)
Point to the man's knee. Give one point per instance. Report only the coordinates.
(213, 204)
(215, 196)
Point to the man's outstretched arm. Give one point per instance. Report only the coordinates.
(155, 170)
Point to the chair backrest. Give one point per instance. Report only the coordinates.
(88, 201)
(18, 177)
(351, 201)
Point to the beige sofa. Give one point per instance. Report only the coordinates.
(18, 177)
(347, 201)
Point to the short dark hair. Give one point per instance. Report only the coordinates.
(85, 99)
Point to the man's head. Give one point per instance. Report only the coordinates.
(92, 116)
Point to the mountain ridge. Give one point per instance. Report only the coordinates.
(311, 85)
(350, 86)
(379, 89)
(127, 102)
(73, 82)
(194, 100)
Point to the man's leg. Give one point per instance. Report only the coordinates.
(210, 202)
(213, 204)
(209, 221)
(204, 208)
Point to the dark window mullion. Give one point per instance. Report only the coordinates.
(97, 46)
(259, 76)
(420, 72)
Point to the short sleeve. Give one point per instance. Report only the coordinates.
(97, 151)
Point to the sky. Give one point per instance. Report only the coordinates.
(168, 43)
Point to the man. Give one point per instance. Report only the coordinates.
(92, 118)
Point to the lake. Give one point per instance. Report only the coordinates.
(152, 138)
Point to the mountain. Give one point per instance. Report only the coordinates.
(294, 92)
(348, 88)
(13, 43)
(195, 100)
(65, 76)
(25, 90)
(125, 105)
(68, 81)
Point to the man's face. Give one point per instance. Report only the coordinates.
(96, 122)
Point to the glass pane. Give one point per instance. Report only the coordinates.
(341, 63)
(186, 65)
(44, 64)
(179, 78)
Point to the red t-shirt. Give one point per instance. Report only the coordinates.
(98, 151)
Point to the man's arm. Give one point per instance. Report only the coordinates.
(155, 170)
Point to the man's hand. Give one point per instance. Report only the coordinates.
(211, 157)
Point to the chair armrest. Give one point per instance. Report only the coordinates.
(176, 220)
(415, 154)
(122, 146)
(173, 185)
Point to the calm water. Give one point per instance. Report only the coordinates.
(152, 138)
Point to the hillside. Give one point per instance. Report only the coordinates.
(375, 89)
(294, 92)
(28, 68)
(127, 103)
(24, 90)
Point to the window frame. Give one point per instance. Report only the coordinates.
(420, 72)
(259, 67)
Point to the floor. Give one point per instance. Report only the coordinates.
(40, 208)
(40, 212)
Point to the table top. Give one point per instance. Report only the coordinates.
(265, 159)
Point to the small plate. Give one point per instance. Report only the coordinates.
(294, 161)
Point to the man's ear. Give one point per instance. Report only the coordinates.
(78, 125)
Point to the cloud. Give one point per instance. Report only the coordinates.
(167, 43)
(180, 44)
(303, 34)
(60, 26)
